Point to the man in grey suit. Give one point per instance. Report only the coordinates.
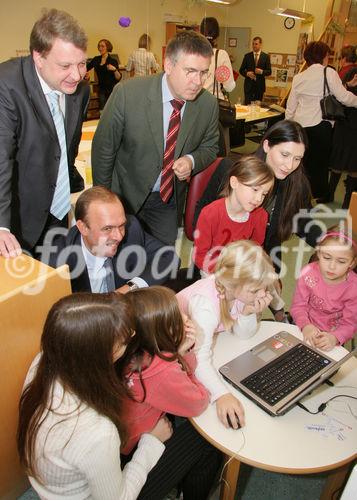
(134, 136)
(43, 102)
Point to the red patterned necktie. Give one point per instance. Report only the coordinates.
(167, 174)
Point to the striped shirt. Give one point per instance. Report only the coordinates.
(142, 62)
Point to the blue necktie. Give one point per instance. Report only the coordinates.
(61, 198)
(109, 278)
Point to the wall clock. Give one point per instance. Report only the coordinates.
(289, 22)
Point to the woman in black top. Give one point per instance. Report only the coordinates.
(344, 147)
(282, 147)
(107, 71)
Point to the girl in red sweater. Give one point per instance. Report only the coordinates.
(237, 215)
(159, 369)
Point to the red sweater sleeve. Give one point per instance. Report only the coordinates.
(178, 392)
(203, 237)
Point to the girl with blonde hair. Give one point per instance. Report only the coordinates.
(229, 299)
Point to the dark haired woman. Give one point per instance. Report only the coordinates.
(70, 429)
(106, 69)
(282, 148)
(210, 29)
(304, 107)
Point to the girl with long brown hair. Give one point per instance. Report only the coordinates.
(70, 418)
(159, 369)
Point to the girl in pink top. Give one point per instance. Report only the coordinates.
(231, 299)
(160, 374)
(325, 301)
(238, 215)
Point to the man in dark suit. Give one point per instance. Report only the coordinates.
(108, 250)
(255, 67)
(130, 144)
(43, 102)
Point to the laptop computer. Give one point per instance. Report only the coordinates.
(279, 371)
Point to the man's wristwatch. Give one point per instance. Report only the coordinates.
(132, 286)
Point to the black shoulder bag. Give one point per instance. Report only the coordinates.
(227, 111)
(331, 108)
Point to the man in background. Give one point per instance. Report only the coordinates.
(157, 131)
(255, 67)
(43, 103)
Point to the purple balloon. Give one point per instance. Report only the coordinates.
(124, 22)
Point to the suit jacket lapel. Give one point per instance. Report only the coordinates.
(37, 97)
(76, 261)
(72, 113)
(188, 121)
(154, 114)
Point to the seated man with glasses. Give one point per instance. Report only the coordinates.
(156, 132)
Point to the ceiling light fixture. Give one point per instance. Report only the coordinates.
(296, 14)
(224, 2)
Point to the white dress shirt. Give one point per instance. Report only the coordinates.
(97, 271)
(307, 91)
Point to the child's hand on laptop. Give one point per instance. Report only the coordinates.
(325, 341)
(310, 333)
(231, 406)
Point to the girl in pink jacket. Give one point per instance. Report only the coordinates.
(325, 301)
(160, 373)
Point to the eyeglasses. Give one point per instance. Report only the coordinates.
(192, 74)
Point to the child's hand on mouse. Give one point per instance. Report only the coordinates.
(259, 304)
(325, 341)
(230, 405)
(310, 333)
(190, 336)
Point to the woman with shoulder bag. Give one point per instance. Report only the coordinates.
(304, 107)
(220, 59)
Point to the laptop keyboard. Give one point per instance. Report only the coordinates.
(280, 377)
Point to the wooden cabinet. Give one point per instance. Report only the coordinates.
(173, 28)
(93, 112)
(28, 289)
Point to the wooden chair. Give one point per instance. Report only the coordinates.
(196, 189)
(353, 211)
